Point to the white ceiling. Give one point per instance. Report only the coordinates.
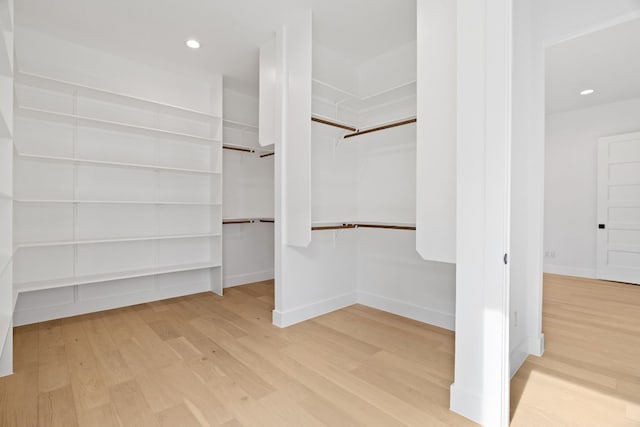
(607, 61)
(230, 31)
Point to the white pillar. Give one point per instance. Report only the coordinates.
(481, 388)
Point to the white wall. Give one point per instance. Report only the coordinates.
(393, 277)
(571, 182)
(248, 192)
(6, 188)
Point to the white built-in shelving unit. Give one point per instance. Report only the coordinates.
(6, 186)
(110, 187)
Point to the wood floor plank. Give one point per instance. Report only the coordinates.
(57, 408)
(203, 360)
(131, 406)
(590, 365)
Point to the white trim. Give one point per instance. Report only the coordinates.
(42, 314)
(6, 356)
(306, 312)
(566, 270)
(528, 346)
(536, 345)
(592, 29)
(247, 278)
(465, 401)
(517, 356)
(408, 310)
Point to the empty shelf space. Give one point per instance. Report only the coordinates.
(116, 164)
(58, 85)
(41, 114)
(114, 240)
(115, 202)
(108, 277)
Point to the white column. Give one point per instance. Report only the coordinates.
(481, 388)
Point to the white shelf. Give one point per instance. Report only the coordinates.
(116, 164)
(232, 124)
(247, 149)
(115, 202)
(330, 93)
(41, 114)
(51, 83)
(361, 104)
(109, 277)
(115, 240)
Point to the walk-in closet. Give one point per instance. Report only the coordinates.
(255, 213)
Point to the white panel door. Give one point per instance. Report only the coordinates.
(619, 208)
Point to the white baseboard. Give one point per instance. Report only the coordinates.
(300, 314)
(466, 403)
(243, 279)
(6, 357)
(529, 346)
(517, 357)
(565, 270)
(536, 345)
(405, 309)
(42, 314)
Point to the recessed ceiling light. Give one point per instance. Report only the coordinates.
(193, 43)
(587, 92)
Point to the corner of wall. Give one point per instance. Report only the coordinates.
(282, 319)
(466, 403)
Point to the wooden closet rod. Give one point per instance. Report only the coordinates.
(267, 154)
(270, 221)
(390, 227)
(343, 226)
(332, 227)
(239, 221)
(383, 127)
(244, 150)
(334, 124)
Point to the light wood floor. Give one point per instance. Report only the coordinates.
(203, 360)
(206, 361)
(590, 372)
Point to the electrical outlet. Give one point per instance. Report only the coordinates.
(550, 254)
